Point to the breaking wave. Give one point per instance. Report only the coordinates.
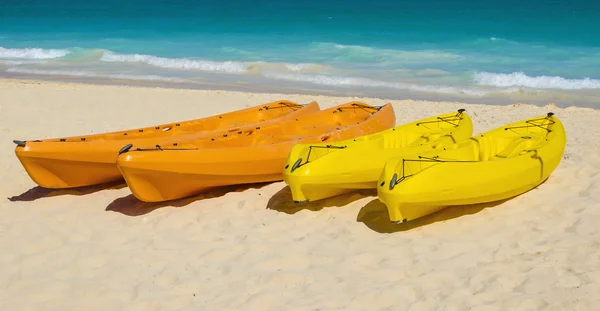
(539, 82)
(33, 53)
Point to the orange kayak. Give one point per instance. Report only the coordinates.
(88, 160)
(167, 172)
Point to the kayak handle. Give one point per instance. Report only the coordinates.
(126, 148)
(296, 164)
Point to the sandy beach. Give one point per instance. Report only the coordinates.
(251, 248)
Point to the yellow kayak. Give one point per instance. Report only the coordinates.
(492, 166)
(319, 171)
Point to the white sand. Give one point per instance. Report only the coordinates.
(251, 249)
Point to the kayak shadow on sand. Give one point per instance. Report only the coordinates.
(38, 192)
(282, 201)
(131, 206)
(375, 216)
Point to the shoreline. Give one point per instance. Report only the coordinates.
(250, 247)
(560, 99)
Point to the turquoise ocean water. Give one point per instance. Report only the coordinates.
(475, 51)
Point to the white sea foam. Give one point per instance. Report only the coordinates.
(80, 73)
(231, 67)
(177, 63)
(540, 82)
(32, 53)
(379, 54)
(365, 82)
(12, 62)
(297, 67)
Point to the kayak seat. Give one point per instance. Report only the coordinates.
(517, 147)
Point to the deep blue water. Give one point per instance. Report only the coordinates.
(458, 48)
